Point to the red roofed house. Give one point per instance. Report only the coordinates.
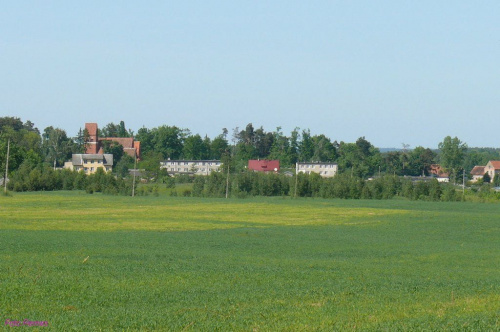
(492, 168)
(264, 165)
(93, 146)
(477, 173)
(440, 174)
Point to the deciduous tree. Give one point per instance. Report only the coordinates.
(452, 153)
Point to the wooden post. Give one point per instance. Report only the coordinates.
(463, 186)
(227, 182)
(6, 167)
(296, 179)
(135, 169)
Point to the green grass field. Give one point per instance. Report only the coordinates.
(91, 262)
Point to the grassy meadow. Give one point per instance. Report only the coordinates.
(92, 262)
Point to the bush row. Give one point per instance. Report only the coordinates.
(44, 178)
(248, 183)
(342, 186)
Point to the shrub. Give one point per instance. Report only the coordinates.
(198, 186)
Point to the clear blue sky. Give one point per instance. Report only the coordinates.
(392, 71)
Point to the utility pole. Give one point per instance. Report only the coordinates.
(6, 167)
(296, 178)
(463, 185)
(135, 170)
(227, 182)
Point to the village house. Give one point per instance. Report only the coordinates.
(90, 163)
(477, 173)
(326, 170)
(191, 167)
(264, 165)
(492, 168)
(437, 171)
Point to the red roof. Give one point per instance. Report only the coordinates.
(495, 164)
(478, 170)
(130, 147)
(126, 142)
(437, 170)
(264, 165)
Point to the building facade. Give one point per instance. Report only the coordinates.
(326, 170)
(492, 168)
(94, 146)
(90, 163)
(191, 167)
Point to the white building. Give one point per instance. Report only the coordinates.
(325, 169)
(195, 167)
(89, 163)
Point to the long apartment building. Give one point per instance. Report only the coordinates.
(326, 170)
(191, 167)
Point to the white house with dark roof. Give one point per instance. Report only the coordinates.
(90, 163)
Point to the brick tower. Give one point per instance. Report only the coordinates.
(92, 145)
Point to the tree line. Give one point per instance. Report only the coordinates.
(31, 149)
(343, 186)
